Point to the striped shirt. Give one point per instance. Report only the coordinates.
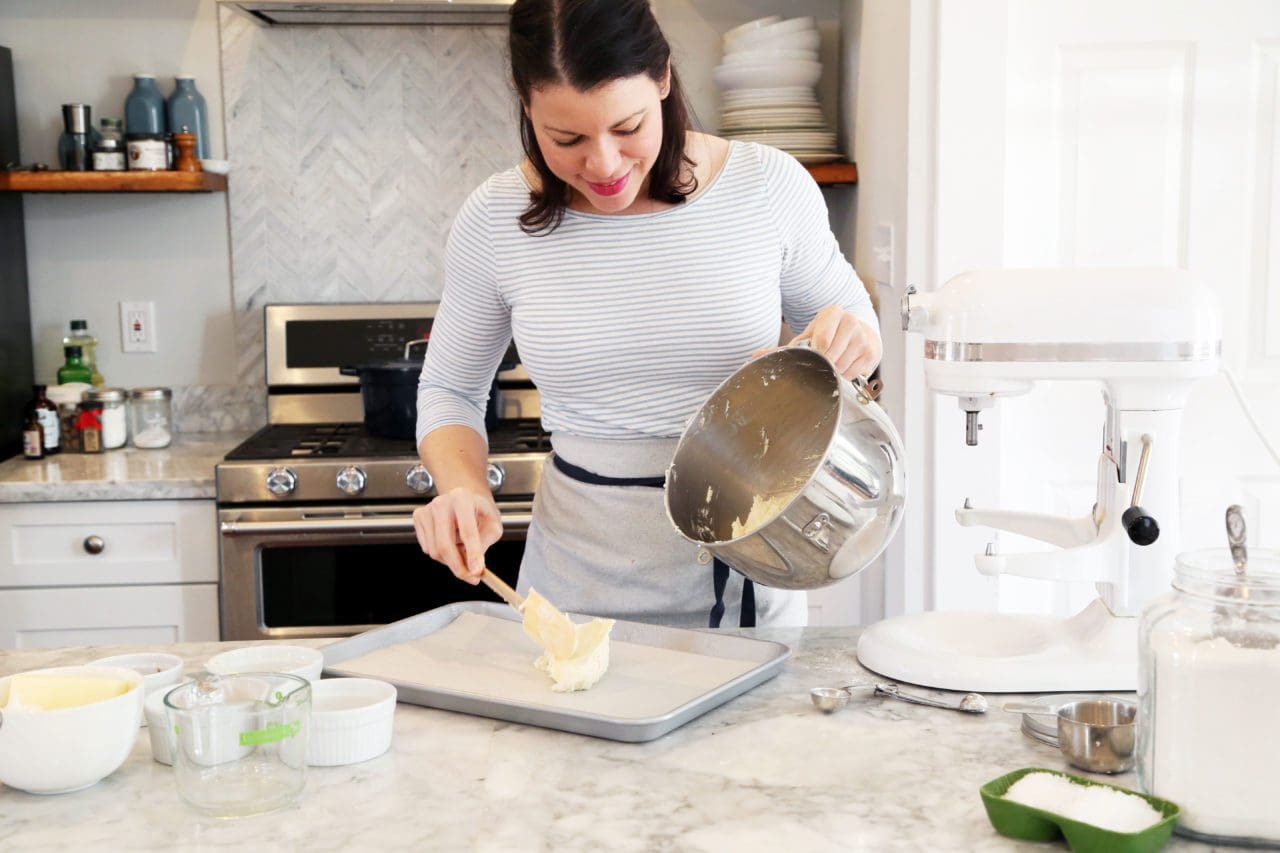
(627, 323)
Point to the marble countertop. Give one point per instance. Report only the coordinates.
(764, 772)
(184, 469)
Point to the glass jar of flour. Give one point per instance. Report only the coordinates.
(1209, 696)
(150, 417)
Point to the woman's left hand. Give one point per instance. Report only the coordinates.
(846, 339)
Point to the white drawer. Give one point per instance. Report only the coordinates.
(100, 616)
(101, 543)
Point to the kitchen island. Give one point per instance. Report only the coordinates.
(764, 772)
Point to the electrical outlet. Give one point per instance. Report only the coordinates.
(138, 326)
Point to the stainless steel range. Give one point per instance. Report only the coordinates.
(315, 513)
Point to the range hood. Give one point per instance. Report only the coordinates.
(375, 12)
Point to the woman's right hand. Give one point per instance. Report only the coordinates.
(457, 528)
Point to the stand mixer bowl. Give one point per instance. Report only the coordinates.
(788, 431)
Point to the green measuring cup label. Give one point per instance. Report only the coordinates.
(271, 734)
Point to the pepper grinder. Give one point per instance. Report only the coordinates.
(186, 142)
(74, 145)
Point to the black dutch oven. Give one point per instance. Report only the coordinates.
(389, 392)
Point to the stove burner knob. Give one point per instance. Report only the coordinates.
(419, 479)
(351, 480)
(281, 481)
(496, 476)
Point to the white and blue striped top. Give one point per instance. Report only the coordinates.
(627, 323)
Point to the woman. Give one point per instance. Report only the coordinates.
(638, 264)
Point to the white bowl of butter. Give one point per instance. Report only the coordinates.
(66, 728)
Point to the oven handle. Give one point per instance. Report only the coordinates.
(375, 524)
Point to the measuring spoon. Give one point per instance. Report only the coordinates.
(829, 699)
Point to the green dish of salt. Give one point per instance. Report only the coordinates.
(1018, 820)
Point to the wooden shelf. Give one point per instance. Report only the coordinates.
(834, 174)
(112, 182)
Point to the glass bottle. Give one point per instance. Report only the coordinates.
(32, 438)
(1208, 691)
(74, 370)
(46, 414)
(186, 108)
(108, 153)
(88, 344)
(74, 145)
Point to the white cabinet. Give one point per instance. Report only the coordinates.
(108, 572)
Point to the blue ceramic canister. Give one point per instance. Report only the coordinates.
(144, 111)
(187, 110)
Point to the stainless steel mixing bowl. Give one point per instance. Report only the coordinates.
(787, 425)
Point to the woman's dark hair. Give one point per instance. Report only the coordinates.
(586, 43)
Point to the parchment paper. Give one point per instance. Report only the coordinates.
(492, 658)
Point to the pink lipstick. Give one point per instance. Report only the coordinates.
(611, 188)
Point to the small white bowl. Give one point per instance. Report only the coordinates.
(158, 727)
(158, 670)
(351, 720)
(303, 661)
(775, 73)
(67, 749)
(215, 167)
(800, 40)
(750, 26)
(769, 55)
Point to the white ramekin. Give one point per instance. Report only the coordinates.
(159, 670)
(351, 720)
(302, 661)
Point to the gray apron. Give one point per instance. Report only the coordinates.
(611, 550)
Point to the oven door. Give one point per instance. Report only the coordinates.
(335, 571)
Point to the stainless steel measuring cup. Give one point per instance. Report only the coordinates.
(1097, 735)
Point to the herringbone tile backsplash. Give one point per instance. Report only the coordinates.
(351, 150)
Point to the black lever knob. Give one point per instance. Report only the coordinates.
(1142, 528)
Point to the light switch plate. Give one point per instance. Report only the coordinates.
(138, 326)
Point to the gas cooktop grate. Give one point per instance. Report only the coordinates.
(352, 441)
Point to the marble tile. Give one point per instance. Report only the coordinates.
(352, 149)
(219, 408)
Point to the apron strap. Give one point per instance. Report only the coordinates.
(582, 475)
(719, 569)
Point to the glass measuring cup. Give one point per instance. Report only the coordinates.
(239, 742)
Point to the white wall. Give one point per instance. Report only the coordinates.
(86, 253)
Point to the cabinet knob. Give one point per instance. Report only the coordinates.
(94, 544)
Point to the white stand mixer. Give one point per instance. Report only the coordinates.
(1146, 336)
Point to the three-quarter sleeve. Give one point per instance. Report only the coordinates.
(814, 272)
(472, 328)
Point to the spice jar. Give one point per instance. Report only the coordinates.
(114, 425)
(67, 398)
(89, 425)
(1209, 690)
(150, 417)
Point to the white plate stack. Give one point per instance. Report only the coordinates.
(767, 78)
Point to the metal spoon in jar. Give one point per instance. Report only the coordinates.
(829, 699)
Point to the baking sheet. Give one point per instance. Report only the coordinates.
(474, 657)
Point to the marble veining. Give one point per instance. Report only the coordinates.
(764, 772)
(184, 469)
(352, 148)
(219, 408)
